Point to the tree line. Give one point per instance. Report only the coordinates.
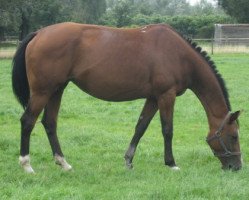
(18, 18)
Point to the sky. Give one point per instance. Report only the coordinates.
(193, 2)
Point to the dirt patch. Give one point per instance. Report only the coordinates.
(7, 53)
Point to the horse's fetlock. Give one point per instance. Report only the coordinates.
(60, 160)
(24, 161)
(170, 163)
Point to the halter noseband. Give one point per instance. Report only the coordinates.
(217, 135)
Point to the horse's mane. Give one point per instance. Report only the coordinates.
(212, 65)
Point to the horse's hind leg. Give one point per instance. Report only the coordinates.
(28, 119)
(148, 112)
(49, 122)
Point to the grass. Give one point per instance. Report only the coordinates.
(225, 49)
(95, 134)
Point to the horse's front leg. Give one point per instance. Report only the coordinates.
(166, 107)
(148, 112)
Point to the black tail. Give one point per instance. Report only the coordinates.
(19, 77)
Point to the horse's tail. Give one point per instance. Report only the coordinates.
(20, 83)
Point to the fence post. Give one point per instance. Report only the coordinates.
(212, 46)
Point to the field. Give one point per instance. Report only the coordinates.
(95, 135)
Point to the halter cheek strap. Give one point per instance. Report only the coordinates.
(217, 136)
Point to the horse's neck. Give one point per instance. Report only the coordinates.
(207, 88)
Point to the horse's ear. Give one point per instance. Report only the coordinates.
(234, 116)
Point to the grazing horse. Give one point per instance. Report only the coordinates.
(153, 62)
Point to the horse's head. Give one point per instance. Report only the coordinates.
(224, 142)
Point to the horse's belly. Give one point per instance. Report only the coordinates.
(114, 89)
(118, 92)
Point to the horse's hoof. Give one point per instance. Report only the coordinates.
(59, 160)
(67, 167)
(175, 168)
(128, 164)
(28, 169)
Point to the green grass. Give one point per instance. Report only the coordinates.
(95, 135)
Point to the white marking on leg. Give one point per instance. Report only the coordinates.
(62, 162)
(24, 161)
(175, 168)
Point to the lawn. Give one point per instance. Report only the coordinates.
(95, 134)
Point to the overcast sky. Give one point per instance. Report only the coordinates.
(192, 2)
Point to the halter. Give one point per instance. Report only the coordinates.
(217, 135)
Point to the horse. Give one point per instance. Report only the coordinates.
(153, 62)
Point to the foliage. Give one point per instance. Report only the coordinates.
(93, 10)
(23, 16)
(29, 15)
(123, 12)
(190, 26)
(95, 134)
(236, 8)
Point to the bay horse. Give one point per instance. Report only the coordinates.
(153, 62)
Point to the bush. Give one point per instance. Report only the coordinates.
(190, 26)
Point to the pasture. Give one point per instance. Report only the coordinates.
(95, 134)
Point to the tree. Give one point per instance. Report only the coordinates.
(171, 7)
(178, 7)
(24, 16)
(4, 21)
(236, 8)
(93, 10)
(25, 9)
(5, 17)
(123, 11)
(206, 7)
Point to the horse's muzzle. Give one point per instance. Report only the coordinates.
(231, 166)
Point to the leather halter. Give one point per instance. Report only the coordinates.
(217, 136)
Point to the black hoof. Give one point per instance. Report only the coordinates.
(128, 164)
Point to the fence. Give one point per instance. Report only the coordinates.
(8, 47)
(231, 38)
(231, 34)
(229, 45)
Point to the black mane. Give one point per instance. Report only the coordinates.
(214, 69)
